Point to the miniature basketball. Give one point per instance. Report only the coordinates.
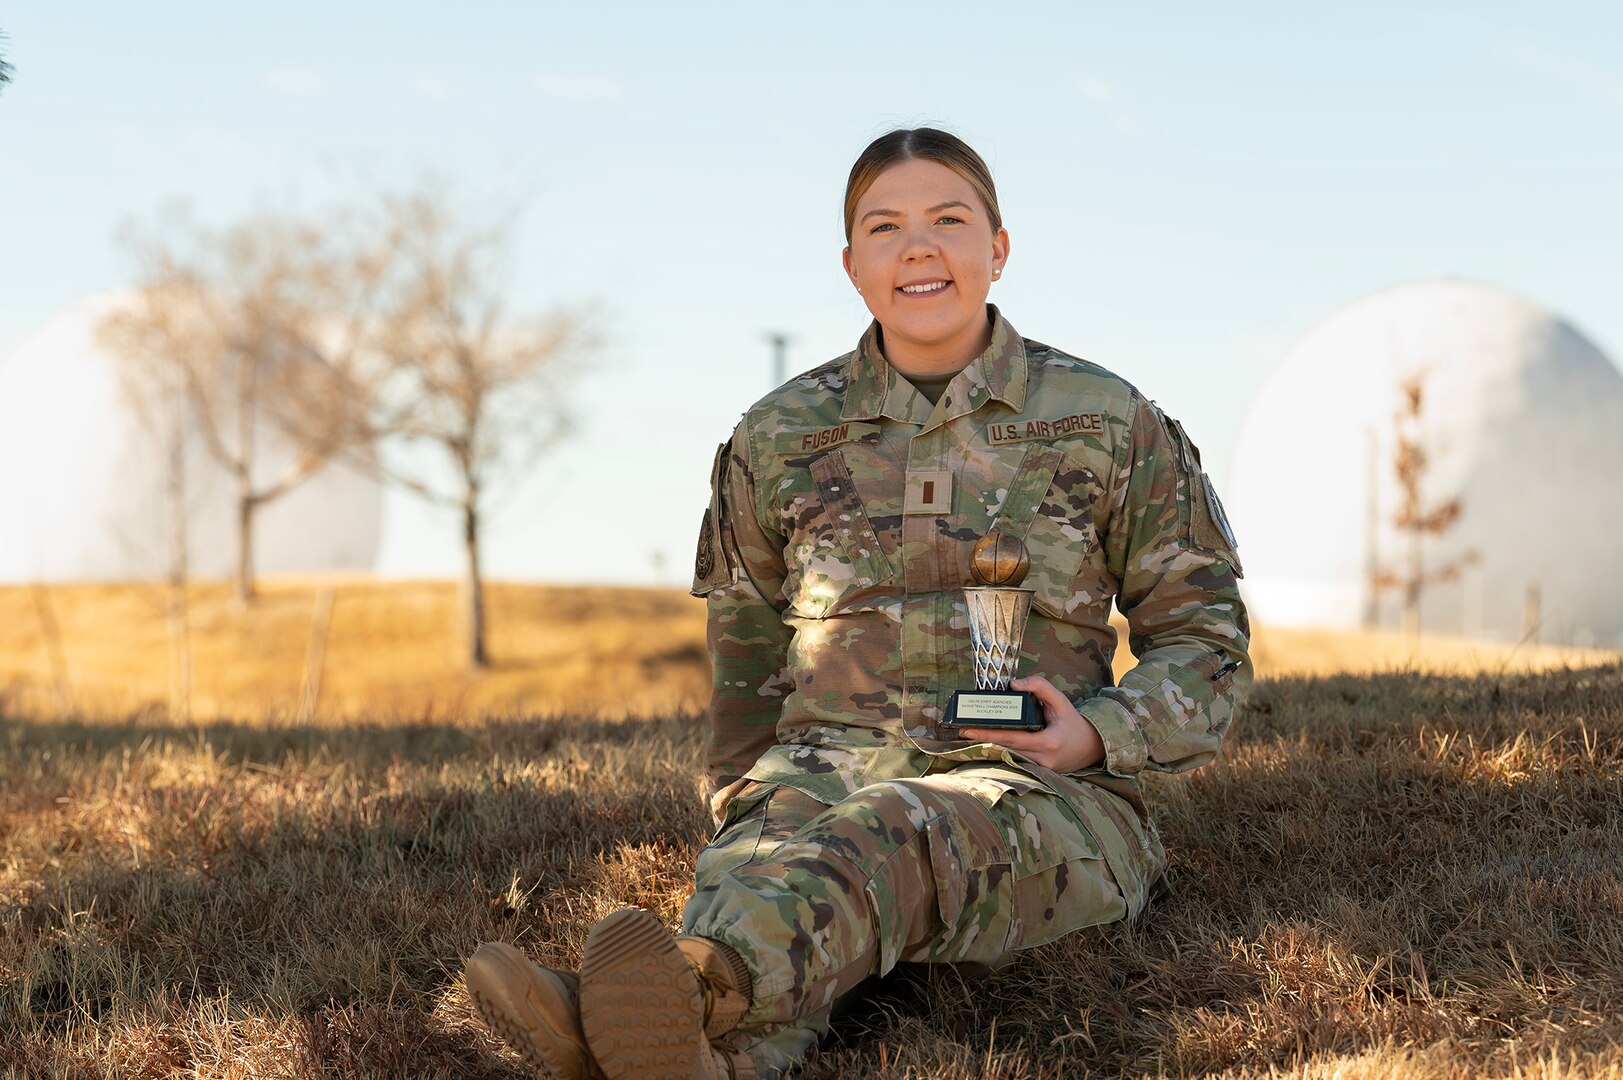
(999, 559)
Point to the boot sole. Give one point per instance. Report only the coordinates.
(530, 1016)
(640, 1003)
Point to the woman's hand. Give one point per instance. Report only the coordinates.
(1070, 741)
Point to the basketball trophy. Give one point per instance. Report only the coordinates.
(998, 609)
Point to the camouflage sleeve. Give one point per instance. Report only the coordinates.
(1168, 543)
(739, 570)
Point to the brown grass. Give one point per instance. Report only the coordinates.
(1409, 872)
(392, 651)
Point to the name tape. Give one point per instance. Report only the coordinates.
(810, 442)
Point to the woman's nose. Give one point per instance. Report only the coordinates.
(918, 244)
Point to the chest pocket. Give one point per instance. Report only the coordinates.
(834, 562)
(1050, 506)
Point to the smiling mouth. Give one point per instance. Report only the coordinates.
(925, 289)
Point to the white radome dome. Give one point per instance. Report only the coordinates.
(83, 481)
(1523, 423)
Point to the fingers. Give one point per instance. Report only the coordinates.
(1014, 740)
(1032, 744)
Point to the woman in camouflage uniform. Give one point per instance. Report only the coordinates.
(854, 830)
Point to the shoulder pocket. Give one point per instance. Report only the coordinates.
(835, 552)
(1208, 525)
(712, 566)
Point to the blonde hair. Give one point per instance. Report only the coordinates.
(928, 144)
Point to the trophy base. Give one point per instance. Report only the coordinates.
(1015, 710)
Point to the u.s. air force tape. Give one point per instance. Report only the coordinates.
(1061, 427)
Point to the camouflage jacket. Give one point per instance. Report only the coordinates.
(836, 546)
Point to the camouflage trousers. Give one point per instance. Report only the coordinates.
(967, 865)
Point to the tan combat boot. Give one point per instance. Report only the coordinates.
(535, 1010)
(650, 1003)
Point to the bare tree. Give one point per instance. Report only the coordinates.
(5, 68)
(482, 386)
(1414, 518)
(263, 325)
(354, 328)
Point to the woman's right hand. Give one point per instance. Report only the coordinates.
(1068, 743)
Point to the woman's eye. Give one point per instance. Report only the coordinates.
(882, 225)
(950, 219)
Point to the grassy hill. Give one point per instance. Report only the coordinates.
(1406, 863)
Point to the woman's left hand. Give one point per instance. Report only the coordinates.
(1069, 743)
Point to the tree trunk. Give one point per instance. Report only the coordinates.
(180, 553)
(246, 372)
(478, 658)
(245, 545)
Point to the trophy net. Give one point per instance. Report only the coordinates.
(997, 625)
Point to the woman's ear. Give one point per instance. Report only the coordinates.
(845, 261)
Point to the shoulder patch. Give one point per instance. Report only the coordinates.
(712, 567)
(1209, 529)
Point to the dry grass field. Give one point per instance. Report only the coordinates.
(391, 651)
(1406, 864)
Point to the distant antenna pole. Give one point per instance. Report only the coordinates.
(1532, 613)
(1372, 511)
(780, 350)
(315, 657)
(52, 633)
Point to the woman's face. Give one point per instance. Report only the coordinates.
(923, 255)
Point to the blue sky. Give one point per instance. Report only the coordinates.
(1188, 187)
